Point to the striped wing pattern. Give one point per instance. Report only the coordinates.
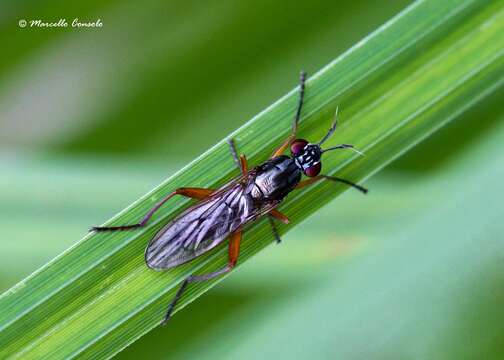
(202, 227)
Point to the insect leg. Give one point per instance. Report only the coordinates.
(279, 216)
(243, 165)
(275, 214)
(241, 161)
(194, 193)
(292, 136)
(315, 179)
(233, 253)
(234, 153)
(274, 229)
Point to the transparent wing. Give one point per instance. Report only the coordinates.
(202, 227)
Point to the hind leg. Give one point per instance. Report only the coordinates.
(193, 193)
(233, 253)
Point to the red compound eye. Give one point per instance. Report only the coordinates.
(297, 146)
(313, 170)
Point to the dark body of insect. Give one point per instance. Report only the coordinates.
(208, 223)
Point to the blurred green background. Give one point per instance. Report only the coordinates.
(91, 119)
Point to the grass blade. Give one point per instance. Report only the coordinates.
(394, 88)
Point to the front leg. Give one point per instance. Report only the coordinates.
(279, 151)
(317, 178)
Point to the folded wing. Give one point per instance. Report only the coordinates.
(201, 228)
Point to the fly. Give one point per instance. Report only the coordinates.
(223, 213)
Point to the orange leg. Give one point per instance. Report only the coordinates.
(243, 165)
(234, 248)
(315, 179)
(292, 136)
(193, 193)
(308, 182)
(233, 253)
(279, 216)
(241, 161)
(284, 146)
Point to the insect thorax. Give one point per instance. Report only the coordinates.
(275, 178)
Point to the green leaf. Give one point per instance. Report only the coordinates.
(393, 88)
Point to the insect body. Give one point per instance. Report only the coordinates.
(208, 223)
(223, 213)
